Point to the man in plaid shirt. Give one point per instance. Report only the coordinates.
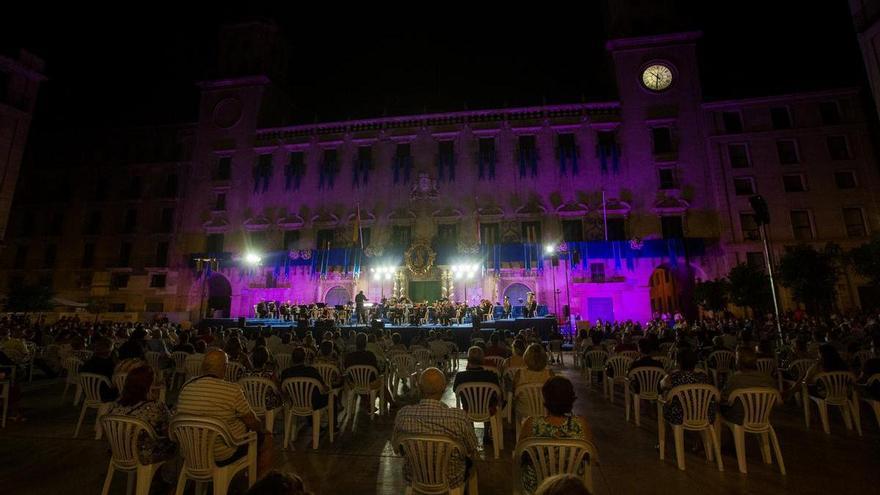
(433, 417)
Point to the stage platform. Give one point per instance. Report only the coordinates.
(544, 326)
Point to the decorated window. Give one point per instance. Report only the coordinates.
(294, 171)
(402, 163)
(446, 161)
(528, 156)
(486, 159)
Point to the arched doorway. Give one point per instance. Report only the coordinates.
(517, 293)
(219, 296)
(337, 296)
(664, 294)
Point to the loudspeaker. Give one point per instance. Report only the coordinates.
(377, 325)
(762, 214)
(566, 311)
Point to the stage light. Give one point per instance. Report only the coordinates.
(377, 276)
(549, 249)
(475, 267)
(470, 275)
(388, 276)
(252, 259)
(372, 270)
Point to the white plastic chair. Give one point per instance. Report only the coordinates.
(234, 371)
(757, 404)
(839, 391)
(508, 378)
(360, 383)
(91, 387)
(633, 355)
(196, 436)
(665, 361)
(193, 366)
(424, 358)
(552, 456)
(428, 457)
(648, 380)
(529, 402)
(123, 433)
(300, 390)
(478, 396)
(329, 374)
(255, 390)
(695, 400)
(872, 403)
(723, 364)
(619, 365)
(556, 352)
(768, 367)
(283, 361)
(179, 359)
(594, 364)
(72, 366)
(404, 370)
(154, 359)
(798, 369)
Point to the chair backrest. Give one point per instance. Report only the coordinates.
(532, 399)
(648, 379)
(428, 457)
(179, 358)
(595, 360)
(424, 357)
(91, 386)
(478, 397)
(695, 399)
(196, 436)
(496, 362)
(361, 376)
(873, 378)
(631, 354)
(119, 380)
(757, 403)
(123, 433)
(837, 384)
(767, 366)
(233, 372)
(667, 363)
(403, 363)
(619, 364)
(328, 372)
(723, 360)
(665, 347)
(83, 355)
(255, 390)
(193, 365)
(552, 456)
(799, 367)
(283, 361)
(72, 365)
(863, 356)
(300, 392)
(153, 359)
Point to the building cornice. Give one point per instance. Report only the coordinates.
(651, 41)
(788, 97)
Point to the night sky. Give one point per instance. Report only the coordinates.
(140, 67)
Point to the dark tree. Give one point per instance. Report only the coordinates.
(811, 275)
(749, 287)
(29, 299)
(711, 295)
(865, 260)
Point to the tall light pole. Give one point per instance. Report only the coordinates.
(762, 218)
(554, 257)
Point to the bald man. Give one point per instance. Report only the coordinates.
(431, 416)
(211, 396)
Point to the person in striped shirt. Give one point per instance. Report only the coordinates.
(211, 396)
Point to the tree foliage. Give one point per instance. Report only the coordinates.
(811, 275)
(749, 287)
(29, 299)
(865, 260)
(711, 295)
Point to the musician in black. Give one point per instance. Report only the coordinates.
(508, 309)
(359, 301)
(531, 308)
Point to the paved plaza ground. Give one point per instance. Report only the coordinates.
(41, 457)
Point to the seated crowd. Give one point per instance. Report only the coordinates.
(147, 357)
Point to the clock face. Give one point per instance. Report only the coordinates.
(657, 77)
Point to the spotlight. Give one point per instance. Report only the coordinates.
(549, 249)
(388, 276)
(475, 267)
(252, 259)
(377, 276)
(470, 275)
